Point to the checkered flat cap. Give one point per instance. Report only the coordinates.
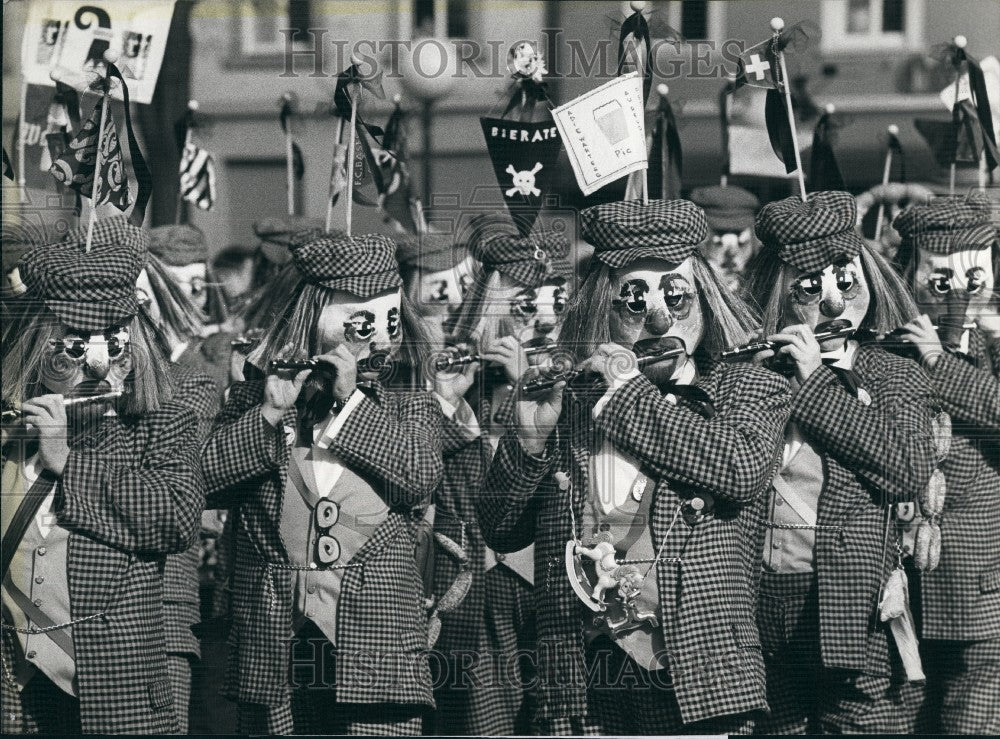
(811, 235)
(89, 291)
(279, 235)
(429, 252)
(627, 231)
(361, 265)
(946, 225)
(178, 245)
(529, 260)
(727, 209)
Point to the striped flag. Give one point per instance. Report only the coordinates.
(197, 176)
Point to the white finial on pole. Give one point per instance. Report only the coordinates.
(637, 6)
(961, 42)
(662, 90)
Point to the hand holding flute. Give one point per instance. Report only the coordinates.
(287, 377)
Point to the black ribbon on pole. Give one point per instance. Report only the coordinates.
(143, 176)
(298, 162)
(636, 26)
(897, 149)
(977, 84)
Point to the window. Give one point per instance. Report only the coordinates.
(696, 20)
(261, 23)
(872, 25)
(440, 18)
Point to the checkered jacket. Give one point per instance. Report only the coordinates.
(708, 600)
(873, 456)
(132, 493)
(394, 441)
(181, 586)
(961, 598)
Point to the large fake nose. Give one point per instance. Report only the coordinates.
(545, 323)
(832, 304)
(659, 321)
(98, 362)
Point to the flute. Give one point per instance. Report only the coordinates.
(463, 359)
(549, 382)
(371, 363)
(13, 415)
(842, 330)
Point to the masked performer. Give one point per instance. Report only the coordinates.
(636, 483)
(859, 441)
(949, 256)
(328, 472)
(731, 243)
(94, 500)
(515, 301)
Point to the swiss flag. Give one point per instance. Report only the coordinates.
(758, 66)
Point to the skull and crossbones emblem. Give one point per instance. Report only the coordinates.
(524, 181)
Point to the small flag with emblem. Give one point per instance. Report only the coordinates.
(197, 173)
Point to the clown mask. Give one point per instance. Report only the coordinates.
(656, 309)
(532, 315)
(838, 292)
(728, 253)
(956, 287)
(440, 293)
(367, 326)
(81, 363)
(193, 278)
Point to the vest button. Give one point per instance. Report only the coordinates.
(38, 602)
(31, 654)
(41, 551)
(39, 579)
(501, 556)
(311, 589)
(776, 544)
(779, 501)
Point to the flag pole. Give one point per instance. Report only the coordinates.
(329, 199)
(350, 156)
(886, 171)
(110, 57)
(960, 42)
(22, 180)
(777, 24)
(289, 158)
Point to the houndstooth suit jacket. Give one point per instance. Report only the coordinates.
(181, 586)
(394, 441)
(961, 598)
(131, 494)
(708, 603)
(873, 456)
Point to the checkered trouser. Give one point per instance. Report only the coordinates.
(627, 707)
(482, 692)
(179, 675)
(963, 687)
(41, 708)
(805, 697)
(315, 710)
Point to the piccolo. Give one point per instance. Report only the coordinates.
(894, 334)
(748, 350)
(13, 415)
(463, 359)
(371, 363)
(547, 382)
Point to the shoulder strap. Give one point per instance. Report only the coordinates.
(24, 515)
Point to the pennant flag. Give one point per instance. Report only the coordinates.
(8, 168)
(298, 163)
(960, 141)
(665, 155)
(524, 162)
(749, 147)
(824, 173)
(604, 132)
(367, 184)
(396, 199)
(197, 176)
(338, 171)
(973, 85)
(76, 167)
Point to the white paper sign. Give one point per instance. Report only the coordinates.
(70, 38)
(991, 72)
(604, 132)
